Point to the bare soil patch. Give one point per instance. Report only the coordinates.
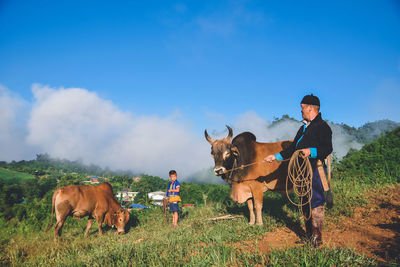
(374, 230)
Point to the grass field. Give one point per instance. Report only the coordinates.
(8, 175)
(150, 241)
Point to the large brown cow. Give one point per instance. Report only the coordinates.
(97, 202)
(249, 184)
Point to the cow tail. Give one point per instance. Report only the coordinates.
(52, 209)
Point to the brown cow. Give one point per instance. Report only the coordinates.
(97, 202)
(249, 184)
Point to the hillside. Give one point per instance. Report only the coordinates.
(379, 158)
(371, 130)
(9, 175)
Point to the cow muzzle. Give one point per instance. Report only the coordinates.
(219, 171)
(118, 232)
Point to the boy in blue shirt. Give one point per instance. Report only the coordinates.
(174, 196)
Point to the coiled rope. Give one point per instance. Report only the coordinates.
(300, 175)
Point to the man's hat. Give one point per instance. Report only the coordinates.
(310, 100)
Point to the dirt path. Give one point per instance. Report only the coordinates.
(373, 230)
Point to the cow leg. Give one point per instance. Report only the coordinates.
(89, 224)
(58, 227)
(251, 210)
(99, 219)
(258, 202)
(62, 211)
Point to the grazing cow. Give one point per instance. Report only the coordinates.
(249, 183)
(97, 202)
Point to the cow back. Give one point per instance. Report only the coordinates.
(88, 198)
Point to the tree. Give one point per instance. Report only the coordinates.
(219, 193)
(47, 184)
(31, 189)
(69, 179)
(191, 193)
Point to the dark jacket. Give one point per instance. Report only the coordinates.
(317, 136)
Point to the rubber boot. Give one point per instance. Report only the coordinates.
(316, 238)
(317, 220)
(307, 237)
(309, 229)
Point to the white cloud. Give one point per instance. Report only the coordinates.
(75, 123)
(12, 128)
(342, 142)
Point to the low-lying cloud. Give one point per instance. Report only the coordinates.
(13, 127)
(77, 124)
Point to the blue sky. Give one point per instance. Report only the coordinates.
(206, 63)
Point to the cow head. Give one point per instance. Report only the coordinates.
(120, 220)
(223, 152)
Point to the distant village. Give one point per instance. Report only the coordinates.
(128, 196)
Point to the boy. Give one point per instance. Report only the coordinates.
(174, 197)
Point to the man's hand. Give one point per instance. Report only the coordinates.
(305, 152)
(269, 158)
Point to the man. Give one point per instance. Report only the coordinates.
(314, 140)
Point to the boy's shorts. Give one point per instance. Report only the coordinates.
(174, 207)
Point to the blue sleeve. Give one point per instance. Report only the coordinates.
(169, 184)
(278, 157)
(313, 151)
(177, 184)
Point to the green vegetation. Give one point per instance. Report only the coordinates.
(377, 162)
(151, 241)
(10, 176)
(374, 166)
(25, 212)
(306, 256)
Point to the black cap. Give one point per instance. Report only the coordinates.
(310, 100)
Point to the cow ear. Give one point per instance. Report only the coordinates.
(235, 151)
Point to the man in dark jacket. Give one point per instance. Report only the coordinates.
(314, 140)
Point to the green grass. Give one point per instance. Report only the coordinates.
(8, 175)
(151, 241)
(307, 256)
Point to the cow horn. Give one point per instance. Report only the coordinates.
(209, 139)
(230, 134)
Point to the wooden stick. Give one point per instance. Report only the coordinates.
(225, 217)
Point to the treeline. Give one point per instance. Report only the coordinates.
(377, 162)
(21, 199)
(371, 130)
(45, 165)
(31, 198)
